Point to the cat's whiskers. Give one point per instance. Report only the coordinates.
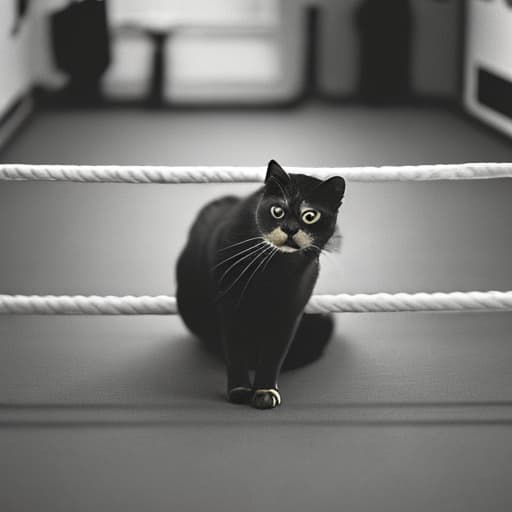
(240, 243)
(256, 250)
(243, 251)
(259, 253)
(266, 259)
(271, 256)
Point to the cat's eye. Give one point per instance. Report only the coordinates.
(277, 212)
(310, 216)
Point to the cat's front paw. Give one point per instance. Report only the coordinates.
(266, 398)
(240, 395)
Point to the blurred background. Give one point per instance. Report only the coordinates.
(270, 53)
(405, 411)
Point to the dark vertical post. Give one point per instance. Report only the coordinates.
(385, 44)
(81, 47)
(155, 97)
(462, 42)
(21, 11)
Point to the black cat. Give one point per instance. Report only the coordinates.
(247, 272)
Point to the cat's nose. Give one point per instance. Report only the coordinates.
(290, 229)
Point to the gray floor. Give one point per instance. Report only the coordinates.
(406, 412)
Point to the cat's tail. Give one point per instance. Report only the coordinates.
(310, 340)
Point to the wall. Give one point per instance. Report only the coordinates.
(14, 68)
(276, 47)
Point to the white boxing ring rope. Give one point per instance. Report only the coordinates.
(226, 174)
(164, 305)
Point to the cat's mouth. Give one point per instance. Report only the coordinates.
(286, 247)
(292, 244)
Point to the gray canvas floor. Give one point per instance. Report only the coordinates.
(406, 411)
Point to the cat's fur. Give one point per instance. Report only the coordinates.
(245, 276)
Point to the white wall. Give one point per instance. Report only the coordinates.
(26, 59)
(15, 77)
(271, 62)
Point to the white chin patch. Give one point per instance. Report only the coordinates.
(286, 248)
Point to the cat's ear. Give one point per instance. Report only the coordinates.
(330, 192)
(276, 178)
